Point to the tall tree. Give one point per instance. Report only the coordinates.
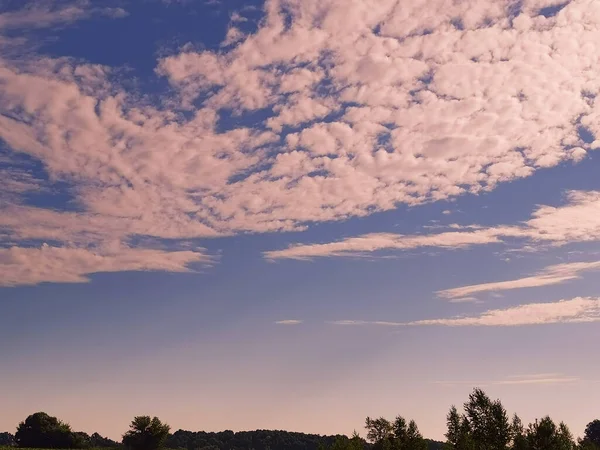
(458, 436)
(488, 422)
(483, 426)
(146, 434)
(564, 438)
(414, 438)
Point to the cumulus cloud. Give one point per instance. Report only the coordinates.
(349, 108)
(551, 275)
(577, 310)
(576, 221)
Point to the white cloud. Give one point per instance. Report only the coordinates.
(577, 221)
(551, 275)
(577, 310)
(288, 322)
(539, 378)
(383, 241)
(20, 266)
(363, 322)
(366, 106)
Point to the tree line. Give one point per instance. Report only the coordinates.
(482, 424)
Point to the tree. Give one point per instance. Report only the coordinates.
(146, 434)
(545, 435)
(378, 429)
(483, 426)
(591, 436)
(97, 440)
(519, 440)
(564, 438)
(356, 442)
(40, 430)
(414, 438)
(458, 436)
(400, 435)
(488, 422)
(345, 443)
(587, 445)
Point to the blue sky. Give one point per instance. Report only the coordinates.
(292, 215)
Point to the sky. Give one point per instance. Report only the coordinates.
(294, 214)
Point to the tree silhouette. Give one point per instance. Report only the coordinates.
(40, 430)
(545, 435)
(6, 440)
(146, 434)
(591, 437)
(399, 435)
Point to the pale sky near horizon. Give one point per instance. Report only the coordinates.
(293, 214)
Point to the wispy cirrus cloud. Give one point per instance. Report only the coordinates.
(21, 266)
(361, 108)
(541, 379)
(576, 221)
(550, 275)
(576, 310)
(288, 322)
(41, 14)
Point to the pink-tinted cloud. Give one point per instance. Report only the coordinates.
(551, 275)
(21, 266)
(45, 14)
(576, 221)
(577, 310)
(369, 106)
(542, 379)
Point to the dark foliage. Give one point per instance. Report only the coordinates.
(434, 445)
(40, 430)
(98, 441)
(591, 437)
(265, 440)
(485, 426)
(84, 440)
(256, 440)
(146, 434)
(7, 440)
